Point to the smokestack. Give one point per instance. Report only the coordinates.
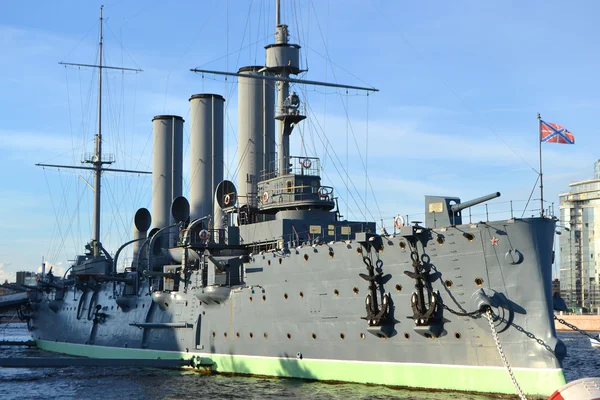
(256, 133)
(177, 158)
(141, 224)
(166, 166)
(206, 151)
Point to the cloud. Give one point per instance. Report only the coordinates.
(5, 274)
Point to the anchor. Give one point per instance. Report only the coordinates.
(377, 317)
(424, 301)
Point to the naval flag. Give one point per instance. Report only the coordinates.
(553, 133)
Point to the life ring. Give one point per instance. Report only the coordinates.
(265, 197)
(204, 234)
(323, 192)
(306, 163)
(399, 221)
(227, 199)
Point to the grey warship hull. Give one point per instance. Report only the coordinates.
(267, 278)
(301, 314)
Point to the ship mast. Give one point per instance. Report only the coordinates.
(95, 159)
(283, 60)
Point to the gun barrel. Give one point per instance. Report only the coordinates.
(461, 206)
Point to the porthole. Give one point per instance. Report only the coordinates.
(331, 253)
(306, 257)
(289, 336)
(214, 334)
(457, 335)
(237, 335)
(285, 296)
(268, 262)
(469, 237)
(224, 334)
(406, 335)
(362, 336)
(355, 290)
(440, 240)
(251, 335)
(478, 281)
(301, 295)
(280, 261)
(398, 287)
(336, 292)
(314, 336)
(250, 299)
(359, 250)
(448, 283)
(264, 298)
(342, 336)
(403, 245)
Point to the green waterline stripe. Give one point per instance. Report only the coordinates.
(533, 381)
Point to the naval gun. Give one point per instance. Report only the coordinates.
(446, 211)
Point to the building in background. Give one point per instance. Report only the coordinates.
(580, 243)
(555, 286)
(22, 275)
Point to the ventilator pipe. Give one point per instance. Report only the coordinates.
(114, 269)
(219, 215)
(160, 232)
(191, 226)
(225, 197)
(141, 223)
(145, 244)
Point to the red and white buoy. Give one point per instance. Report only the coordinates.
(581, 389)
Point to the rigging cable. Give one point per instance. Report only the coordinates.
(325, 142)
(208, 18)
(348, 125)
(367, 155)
(460, 99)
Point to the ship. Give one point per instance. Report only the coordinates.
(264, 276)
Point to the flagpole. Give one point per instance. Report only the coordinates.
(541, 175)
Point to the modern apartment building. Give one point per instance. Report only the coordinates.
(579, 243)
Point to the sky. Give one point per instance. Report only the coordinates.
(460, 84)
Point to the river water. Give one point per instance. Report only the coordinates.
(150, 383)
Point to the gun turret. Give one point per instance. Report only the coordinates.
(461, 206)
(446, 211)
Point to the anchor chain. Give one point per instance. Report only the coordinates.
(475, 313)
(576, 329)
(489, 315)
